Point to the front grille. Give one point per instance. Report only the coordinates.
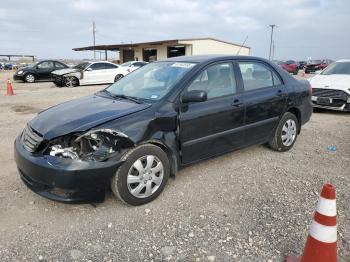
(31, 139)
(331, 93)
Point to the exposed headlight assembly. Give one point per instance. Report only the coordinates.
(20, 72)
(95, 145)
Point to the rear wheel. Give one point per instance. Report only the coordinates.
(285, 134)
(143, 176)
(118, 77)
(29, 78)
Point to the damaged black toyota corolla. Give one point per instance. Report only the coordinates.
(137, 132)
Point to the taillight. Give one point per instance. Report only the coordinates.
(310, 90)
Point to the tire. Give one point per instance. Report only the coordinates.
(118, 77)
(296, 71)
(280, 140)
(144, 179)
(29, 78)
(71, 81)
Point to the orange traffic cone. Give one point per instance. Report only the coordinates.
(9, 91)
(321, 244)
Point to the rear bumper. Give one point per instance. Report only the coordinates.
(64, 180)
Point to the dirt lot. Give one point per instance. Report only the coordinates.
(250, 205)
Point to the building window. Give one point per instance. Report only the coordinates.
(178, 50)
(149, 54)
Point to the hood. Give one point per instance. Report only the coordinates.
(81, 114)
(65, 71)
(341, 82)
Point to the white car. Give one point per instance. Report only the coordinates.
(331, 87)
(89, 73)
(133, 65)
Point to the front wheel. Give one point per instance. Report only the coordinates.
(285, 134)
(143, 176)
(71, 81)
(296, 71)
(118, 77)
(29, 78)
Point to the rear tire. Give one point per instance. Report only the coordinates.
(143, 176)
(285, 134)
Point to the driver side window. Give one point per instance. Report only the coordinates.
(217, 80)
(45, 65)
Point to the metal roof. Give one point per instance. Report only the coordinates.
(116, 47)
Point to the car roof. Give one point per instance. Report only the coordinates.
(94, 62)
(208, 58)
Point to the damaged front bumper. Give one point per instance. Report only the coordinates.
(62, 179)
(58, 80)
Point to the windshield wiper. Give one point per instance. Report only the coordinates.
(121, 96)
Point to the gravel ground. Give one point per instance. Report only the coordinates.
(251, 205)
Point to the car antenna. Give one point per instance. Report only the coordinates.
(239, 50)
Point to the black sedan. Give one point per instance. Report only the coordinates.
(166, 115)
(38, 71)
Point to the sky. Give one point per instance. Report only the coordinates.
(51, 28)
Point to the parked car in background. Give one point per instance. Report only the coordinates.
(22, 65)
(39, 71)
(133, 65)
(166, 115)
(10, 66)
(302, 65)
(331, 88)
(89, 73)
(2, 65)
(316, 65)
(290, 66)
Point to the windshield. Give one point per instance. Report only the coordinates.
(151, 81)
(81, 66)
(337, 68)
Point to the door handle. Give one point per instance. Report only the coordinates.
(280, 93)
(237, 103)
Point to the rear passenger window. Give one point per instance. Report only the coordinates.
(98, 66)
(256, 75)
(110, 66)
(217, 80)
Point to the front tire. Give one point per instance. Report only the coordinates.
(29, 78)
(285, 134)
(71, 81)
(118, 77)
(296, 71)
(143, 176)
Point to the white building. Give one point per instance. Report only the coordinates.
(159, 50)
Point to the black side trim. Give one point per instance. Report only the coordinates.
(231, 131)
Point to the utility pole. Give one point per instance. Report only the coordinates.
(273, 50)
(272, 27)
(94, 37)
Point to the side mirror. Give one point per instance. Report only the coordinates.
(88, 69)
(194, 96)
